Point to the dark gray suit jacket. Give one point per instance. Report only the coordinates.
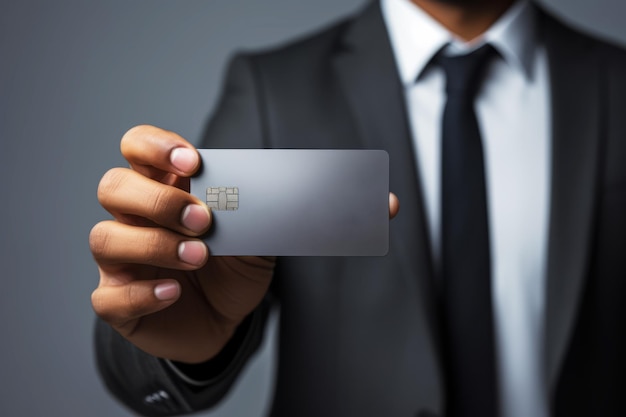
(359, 336)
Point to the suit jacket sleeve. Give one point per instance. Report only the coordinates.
(152, 386)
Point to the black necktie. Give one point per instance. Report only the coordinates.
(466, 302)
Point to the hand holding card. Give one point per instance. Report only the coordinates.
(161, 288)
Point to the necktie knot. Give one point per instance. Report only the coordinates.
(465, 73)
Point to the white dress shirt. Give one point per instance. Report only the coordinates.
(513, 113)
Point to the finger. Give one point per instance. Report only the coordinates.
(153, 151)
(115, 243)
(394, 205)
(122, 304)
(125, 192)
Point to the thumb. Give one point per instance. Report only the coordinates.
(120, 305)
(394, 205)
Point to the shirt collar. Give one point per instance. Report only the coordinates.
(416, 37)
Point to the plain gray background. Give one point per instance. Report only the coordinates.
(74, 76)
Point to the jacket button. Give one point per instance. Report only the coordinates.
(156, 397)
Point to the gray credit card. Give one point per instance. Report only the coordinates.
(289, 202)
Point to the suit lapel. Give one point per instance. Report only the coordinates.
(367, 73)
(575, 90)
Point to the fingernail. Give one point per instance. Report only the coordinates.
(192, 252)
(166, 291)
(195, 218)
(184, 159)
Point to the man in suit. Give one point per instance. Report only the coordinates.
(363, 336)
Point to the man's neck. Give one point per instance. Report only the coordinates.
(468, 19)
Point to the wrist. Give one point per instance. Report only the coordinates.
(202, 373)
